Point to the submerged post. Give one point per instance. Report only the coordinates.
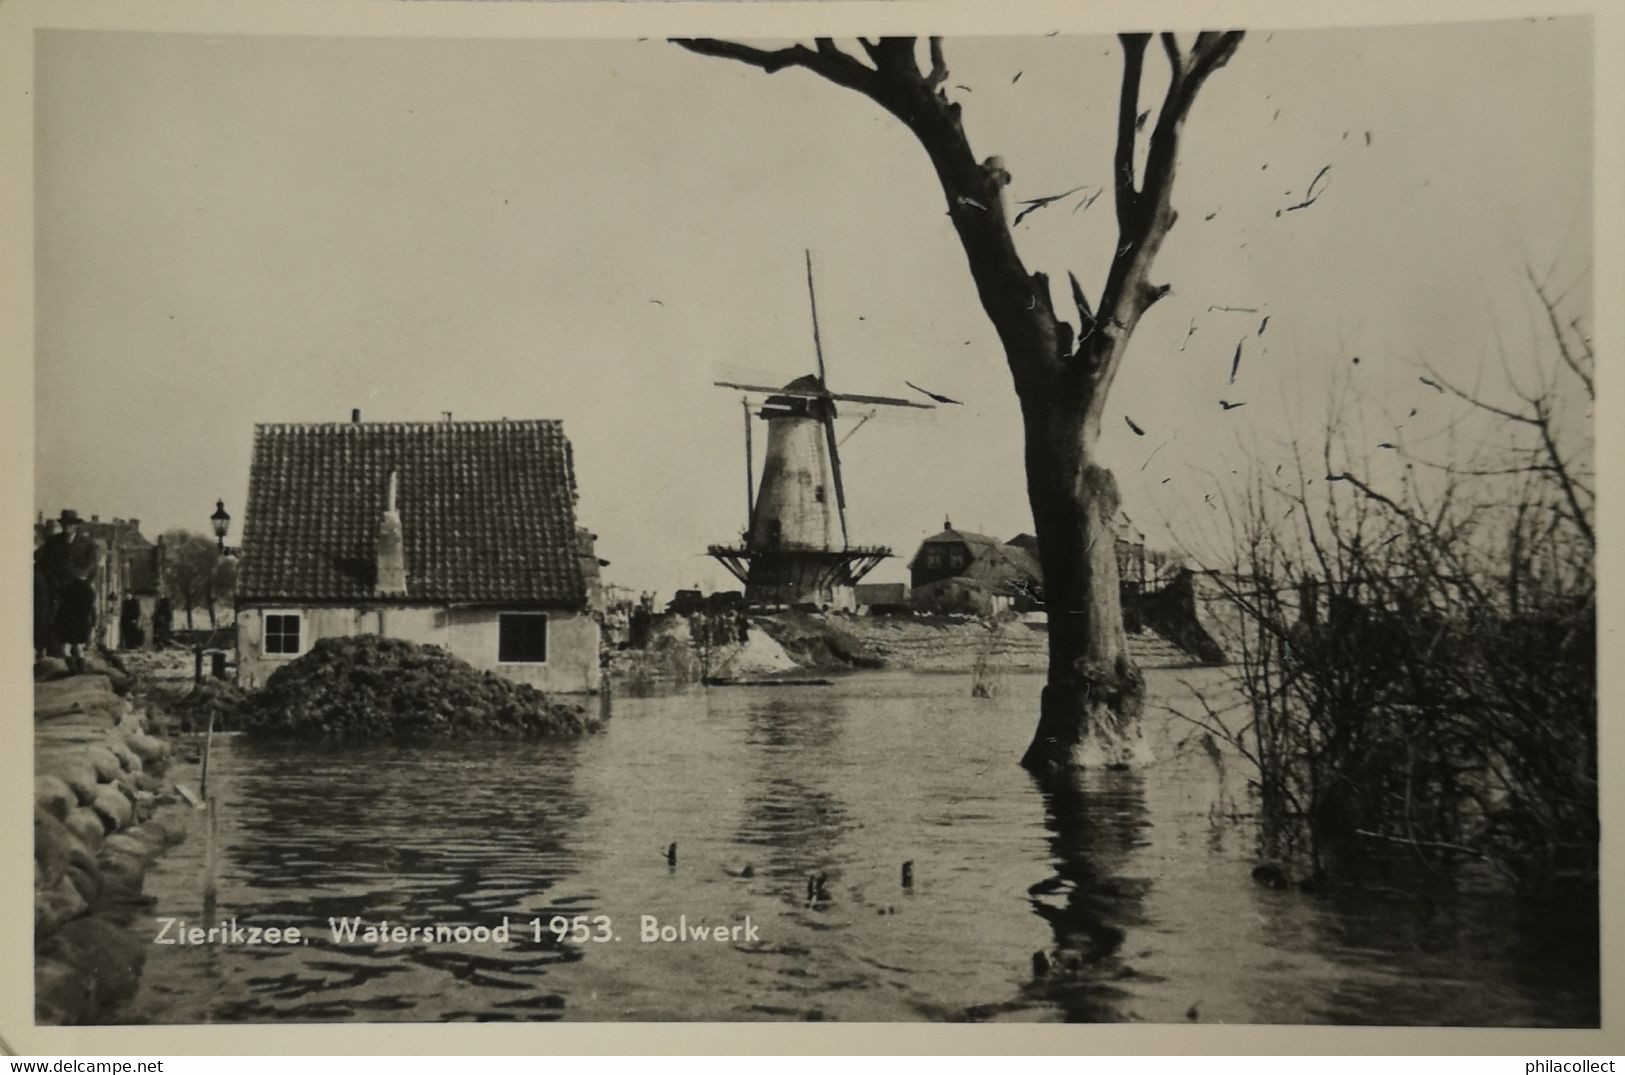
(203, 777)
(211, 854)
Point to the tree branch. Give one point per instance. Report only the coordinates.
(826, 60)
(1170, 45)
(939, 66)
(1128, 108)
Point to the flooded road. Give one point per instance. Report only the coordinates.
(1135, 890)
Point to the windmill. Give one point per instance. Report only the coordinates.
(795, 548)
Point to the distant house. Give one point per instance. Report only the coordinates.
(958, 571)
(1131, 575)
(458, 534)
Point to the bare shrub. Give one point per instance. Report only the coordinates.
(1418, 661)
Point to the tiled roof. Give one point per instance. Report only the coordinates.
(487, 512)
(978, 544)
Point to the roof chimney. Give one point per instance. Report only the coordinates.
(355, 416)
(391, 546)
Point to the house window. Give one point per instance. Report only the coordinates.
(282, 634)
(933, 556)
(957, 557)
(522, 638)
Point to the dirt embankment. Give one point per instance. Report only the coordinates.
(829, 642)
(819, 641)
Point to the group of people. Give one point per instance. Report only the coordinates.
(630, 624)
(65, 566)
(65, 599)
(130, 633)
(719, 627)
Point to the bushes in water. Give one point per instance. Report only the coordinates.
(366, 686)
(1418, 664)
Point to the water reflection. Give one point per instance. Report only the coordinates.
(1096, 820)
(790, 814)
(1132, 885)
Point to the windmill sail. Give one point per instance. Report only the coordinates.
(796, 548)
(835, 469)
(810, 393)
(818, 343)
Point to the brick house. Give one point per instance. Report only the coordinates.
(457, 534)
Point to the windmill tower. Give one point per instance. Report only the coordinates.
(795, 547)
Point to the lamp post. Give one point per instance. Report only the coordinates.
(221, 521)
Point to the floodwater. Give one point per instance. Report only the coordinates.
(1131, 883)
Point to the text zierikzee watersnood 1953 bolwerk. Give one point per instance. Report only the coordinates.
(557, 929)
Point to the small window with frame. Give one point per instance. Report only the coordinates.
(522, 638)
(281, 634)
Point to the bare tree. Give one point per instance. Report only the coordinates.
(196, 574)
(1417, 667)
(1094, 696)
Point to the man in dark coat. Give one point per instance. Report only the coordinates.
(71, 559)
(163, 622)
(129, 623)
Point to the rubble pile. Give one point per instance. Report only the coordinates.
(366, 686)
(814, 640)
(213, 698)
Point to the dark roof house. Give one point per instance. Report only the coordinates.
(486, 514)
(961, 554)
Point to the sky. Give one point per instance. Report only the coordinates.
(242, 229)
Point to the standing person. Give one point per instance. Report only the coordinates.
(51, 565)
(163, 622)
(129, 623)
(76, 559)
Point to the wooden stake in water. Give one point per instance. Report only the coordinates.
(211, 855)
(203, 777)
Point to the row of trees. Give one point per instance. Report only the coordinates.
(196, 575)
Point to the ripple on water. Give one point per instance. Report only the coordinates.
(1132, 885)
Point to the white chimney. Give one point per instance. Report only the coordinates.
(391, 547)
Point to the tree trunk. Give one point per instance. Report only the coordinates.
(1092, 704)
(1090, 712)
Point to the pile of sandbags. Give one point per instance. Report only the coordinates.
(368, 687)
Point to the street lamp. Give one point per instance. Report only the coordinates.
(221, 520)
